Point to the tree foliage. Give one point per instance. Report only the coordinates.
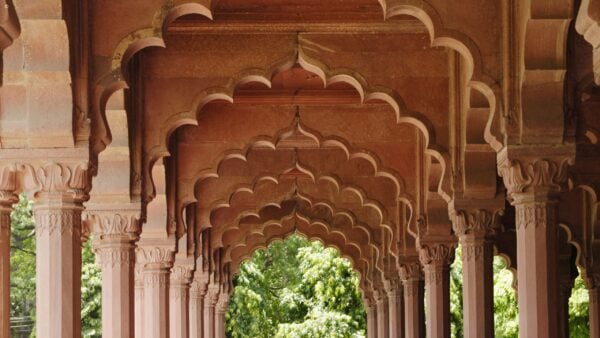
(296, 288)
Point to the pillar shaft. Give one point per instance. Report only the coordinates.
(537, 259)
(594, 313)
(5, 210)
(156, 261)
(138, 302)
(533, 177)
(563, 315)
(414, 315)
(383, 325)
(179, 290)
(58, 265)
(197, 293)
(436, 259)
(116, 257)
(209, 312)
(220, 311)
(396, 317)
(371, 321)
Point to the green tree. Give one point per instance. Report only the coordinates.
(578, 310)
(296, 288)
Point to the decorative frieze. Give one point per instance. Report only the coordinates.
(472, 252)
(53, 178)
(113, 223)
(111, 257)
(48, 221)
(153, 279)
(535, 215)
(155, 256)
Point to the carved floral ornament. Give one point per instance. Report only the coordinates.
(478, 221)
(155, 255)
(411, 271)
(524, 174)
(436, 254)
(111, 223)
(181, 274)
(49, 178)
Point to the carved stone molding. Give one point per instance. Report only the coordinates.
(478, 222)
(198, 289)
(412, 288)
(411, 271)
(473, 251)
(110, 257)
(535, 215)
(181, 274)
(8, 186)
(222, 303)
(393, 287)
(434, 275)
(57, 178)
(212, 296)
(522, 175)
(155, 256)
(153, 279)
(438, 254)
(51, 221)
(105, 224)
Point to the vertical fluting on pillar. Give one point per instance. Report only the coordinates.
(436, 259)
(114, 237)
(594, 312)
(393, 288)
(197, 293)
(475, 229)
(532, 185)
(156, 262)
(138, 302)
(179, 289)
(414, 314)
(220, 311)
(210, 302)
(58, 205)
(7, 199)
(383, 325)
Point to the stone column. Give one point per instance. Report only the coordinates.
(58, 205)
(220, 311)
(563, 315)
(138, 303)
(532, 186)
(209, 310)
(156, 260)
(7, 199)
(383, 325)
(179, 289)
(114, 236)
(594, 312)
(436, 259)
(414, 314)
(371, 318)
(197, 294)
(393, 288)
(474, 229)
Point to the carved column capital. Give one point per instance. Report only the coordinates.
(212, 296)
(107, 224)
(393, 287)
(157, 257)
(531, 172)
(222, 303)
(8, 186)
(54, 178)
(475, 222)
(411, 272)
(439, 254)
(181, 275)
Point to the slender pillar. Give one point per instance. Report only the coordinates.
(209, 311)
(532, 185)
(474, 229)
(414, 294)
(138, 303)
(436, 259)
(563, 315)
(179, 290)
(594, 312)
(197, 294)
(157, 261)
(114, 237)
(383, 325)
(57, 211)
(393, 288)
(6, 200)
(220, 311)
(371, 319)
